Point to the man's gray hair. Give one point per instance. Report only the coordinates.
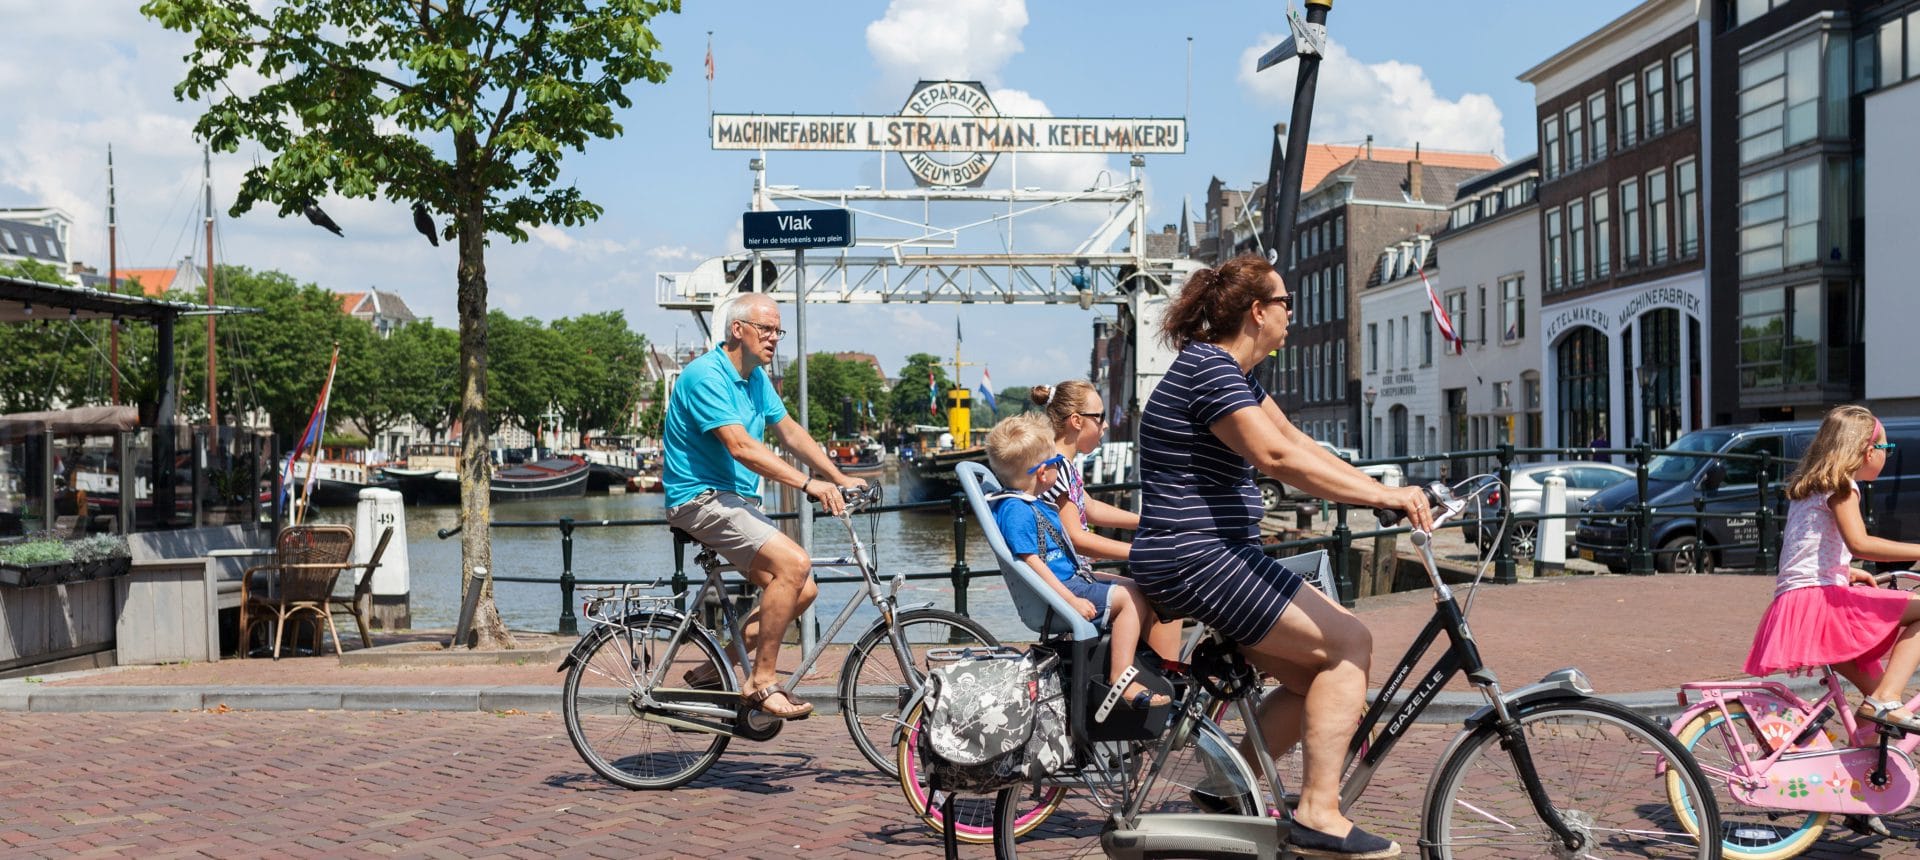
(742, 308)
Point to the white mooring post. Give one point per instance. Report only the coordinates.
(1550, 539)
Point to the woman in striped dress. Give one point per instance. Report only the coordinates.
(1205, 429)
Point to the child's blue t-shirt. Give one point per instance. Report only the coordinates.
(1023, 537)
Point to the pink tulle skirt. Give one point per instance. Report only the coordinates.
(1826, 624)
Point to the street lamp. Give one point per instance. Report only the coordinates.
(1645, 373)
(1370, 395)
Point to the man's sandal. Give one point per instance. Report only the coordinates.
(762, 701)
(1884, 714)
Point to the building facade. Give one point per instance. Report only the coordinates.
(1624, 316)
(1491, 391)
(1399, 379)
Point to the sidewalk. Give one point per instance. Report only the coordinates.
(1637, 638)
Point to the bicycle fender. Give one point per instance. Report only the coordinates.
(580, 648)
(881, 623)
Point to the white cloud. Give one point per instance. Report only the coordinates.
(663, 254)
(553, 237)
(963, 40)
(1393, 101)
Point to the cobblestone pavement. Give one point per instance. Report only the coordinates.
(313, 784)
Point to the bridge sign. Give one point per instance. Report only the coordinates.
(796, 229)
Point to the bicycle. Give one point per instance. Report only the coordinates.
(1547, 770)
(631, 723)
(1785, 766)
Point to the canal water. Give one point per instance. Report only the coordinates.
(909, 542)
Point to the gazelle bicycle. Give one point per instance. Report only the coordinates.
(651, 699)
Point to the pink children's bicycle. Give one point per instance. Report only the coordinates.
(1782, 766)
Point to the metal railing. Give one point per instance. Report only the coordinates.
(1339, 541)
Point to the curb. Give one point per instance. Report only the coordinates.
(21, 696)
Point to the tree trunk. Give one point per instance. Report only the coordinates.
(476, 472)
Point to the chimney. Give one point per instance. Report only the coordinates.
(1413, 175)
(1369, 147)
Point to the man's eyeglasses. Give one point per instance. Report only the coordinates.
(1285, 301)
(1884, 446)
(1055, 460)
(774, 331)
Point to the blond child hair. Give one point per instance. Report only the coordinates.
(1015, 445)
(1838, 450)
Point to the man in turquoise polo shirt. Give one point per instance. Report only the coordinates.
(714, 462)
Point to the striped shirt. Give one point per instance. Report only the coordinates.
(1190, 480)
(1067, 484)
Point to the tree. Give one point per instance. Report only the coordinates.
(422, 374)
(48, 361)
(831, 380)
(463, 110)
(653, 419)
(910, 396)
(528, 373)
(604, 365)
(1012, 401)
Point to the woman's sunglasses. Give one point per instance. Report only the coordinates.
(1285, 301)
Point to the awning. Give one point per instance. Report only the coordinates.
(27, 301)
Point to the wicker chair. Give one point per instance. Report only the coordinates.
(359, 602)
(299, 581)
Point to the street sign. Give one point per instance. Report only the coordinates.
(797, 229)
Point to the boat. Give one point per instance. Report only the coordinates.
(339, 474)
(607, 467)
(928, 474)
(544, 478)
(430, 475)
(857, 456)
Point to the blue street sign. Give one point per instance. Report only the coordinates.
(797, 229)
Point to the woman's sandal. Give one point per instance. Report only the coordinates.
(762, 700)
(1884, 713)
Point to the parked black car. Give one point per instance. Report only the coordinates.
(1730, 487)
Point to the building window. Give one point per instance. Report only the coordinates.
(1406, 342)
(1779, 218)
(1686, 188)
(1550, 134)
(1340, 291)
(1553, 250)
(1627, 102)
(1581, 359)
(1577, 242)
(1602, 236)
(1457, 312)
(1630, 224)
(1513, 310)
(1747, 10)
(1326, 294)
(1389, 345)
(1656, 78)
(1339, 230)
(1597, 111)
(1576, 124)
(1657, 217)
(1426, 338)
(1373, 347)
(1340, 364)
(1779, 101)
(1481, 322)
(1891, 53)
(1683, 96)
(1779, 333)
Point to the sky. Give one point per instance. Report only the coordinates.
(1441, 74)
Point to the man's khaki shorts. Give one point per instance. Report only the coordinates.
(728, 523)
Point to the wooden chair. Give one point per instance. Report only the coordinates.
(299, 581)
(359, 602)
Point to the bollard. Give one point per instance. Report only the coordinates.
(1342, 544)
(1303, 516)
(1503, 567)
(1699, 532)
(1766, 560)
(569, 625)
(960, 554)
(1386, 561)
(1641, 561)
(1550, 535)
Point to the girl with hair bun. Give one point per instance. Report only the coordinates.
(1079, 420)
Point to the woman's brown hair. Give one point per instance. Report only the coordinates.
(1211, 307)
(1838, 450)
(1062, 401)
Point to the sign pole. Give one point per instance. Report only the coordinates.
(807, 620)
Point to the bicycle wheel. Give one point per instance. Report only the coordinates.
(1599, 766)
(1201, 775)
(874, 687)
(600, 704)
(1748, 832)
(974, 815)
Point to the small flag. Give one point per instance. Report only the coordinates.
(309, 440)
(933, 395)
(709, 58)
(1440, 317)
(956, 329)
(986, 390)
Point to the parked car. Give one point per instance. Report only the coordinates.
(1731, 487)
(1525, 494)
(1274, 494)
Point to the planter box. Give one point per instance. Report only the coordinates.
(62, 572)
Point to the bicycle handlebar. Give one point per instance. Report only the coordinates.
(1438, 495)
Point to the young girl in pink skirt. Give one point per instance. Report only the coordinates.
(1817, 617)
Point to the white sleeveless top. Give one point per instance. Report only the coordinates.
(1812, 552)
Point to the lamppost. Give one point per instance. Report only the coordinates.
(1370, 395)
(1646, 373)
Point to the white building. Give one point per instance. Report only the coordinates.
(1490, 286)
(1398, 345)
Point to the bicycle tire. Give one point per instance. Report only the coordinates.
(609, 733)
(1594, 758)
(873, 687)
(1207, 762)
(975, 815)
(1746, 832)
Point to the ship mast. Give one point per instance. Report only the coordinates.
(113, 286)
(213, 406)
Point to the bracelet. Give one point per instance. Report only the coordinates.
(805, 484)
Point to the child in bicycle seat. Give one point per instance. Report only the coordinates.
(1021, 453)
(1818, 617)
